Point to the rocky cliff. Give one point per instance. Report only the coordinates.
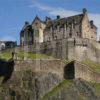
(27, 85)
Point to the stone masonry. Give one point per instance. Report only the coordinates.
(58, 67)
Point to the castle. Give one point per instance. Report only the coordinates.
(73, 37)
(77, 26)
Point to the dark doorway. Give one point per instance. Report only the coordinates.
(69, 71)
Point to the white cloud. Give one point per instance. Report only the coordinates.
(53, 10)
(65, 13)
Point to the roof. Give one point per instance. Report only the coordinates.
(37, 18)
(26, 27)
(92, 24)
(69, 20)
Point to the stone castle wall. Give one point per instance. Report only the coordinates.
(86, 73)
(41, 65)
(71, 48)
(57, 67)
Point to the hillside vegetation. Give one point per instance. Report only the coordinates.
(94, 65)
(74, 90)
(59, 87)
(21, 55)
(32, 86)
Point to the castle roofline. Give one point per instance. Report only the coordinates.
(37, 18)
(72, 19)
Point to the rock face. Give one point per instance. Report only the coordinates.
(78, 90)
(27, 85)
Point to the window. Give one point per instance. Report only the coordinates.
(49, 38)
(37, 33)
(70, 34)
(55, 37)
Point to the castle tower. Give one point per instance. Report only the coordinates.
(89, 30)
(38, 28)
(26, 37)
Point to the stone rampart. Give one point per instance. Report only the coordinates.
(57, 66)
(41, 65)
(86, 73)
(70, 48)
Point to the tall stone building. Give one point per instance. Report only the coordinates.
(78, 26)
(31, 34)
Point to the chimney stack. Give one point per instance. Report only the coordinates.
(47, 19)
(84, 11)
(26, 23)
(91, 22)
(58, 16)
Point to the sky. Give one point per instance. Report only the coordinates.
(14, 13)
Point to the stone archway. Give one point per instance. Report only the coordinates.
(69, 71)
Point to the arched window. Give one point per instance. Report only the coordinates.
(70, 34)
(37, 33)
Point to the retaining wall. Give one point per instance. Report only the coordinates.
(86, 73)
(57, 66)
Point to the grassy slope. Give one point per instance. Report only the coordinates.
(95, 66)
(96, 86)
(59, 87)
(66, 84)
(7, 55)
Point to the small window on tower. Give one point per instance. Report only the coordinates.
(37, 33)
(49, 38)
(36, 23)
(70, 34)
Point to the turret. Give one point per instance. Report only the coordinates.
(26, 23)
(84, 11)
(91, 22)
(47, 19)
(58, 16)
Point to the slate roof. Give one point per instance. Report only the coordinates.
(37, 18)
(69, 20)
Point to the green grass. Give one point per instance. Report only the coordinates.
(8, 55)
(32, 56)
(94, 65)
(59, 87)
(97, 88)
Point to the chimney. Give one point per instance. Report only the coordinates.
(26, 23)
(84, 11)
(58, 17)
(48, 19)
(91, 22)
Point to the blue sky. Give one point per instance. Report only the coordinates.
(13, 13)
